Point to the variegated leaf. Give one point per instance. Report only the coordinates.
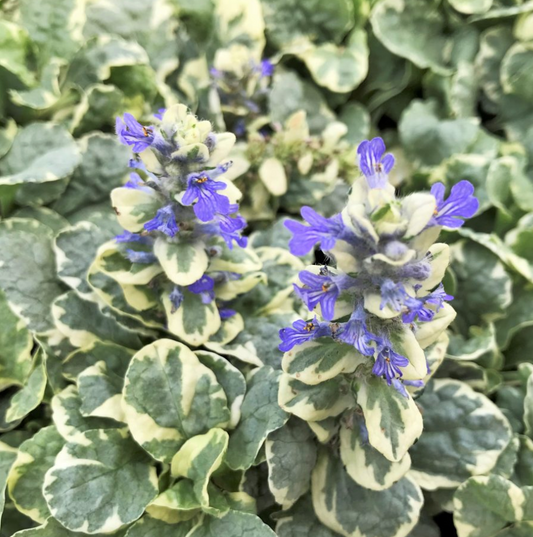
(106, 475)
(148, 526)
(183, 262)
(169, 397)
(233, 524)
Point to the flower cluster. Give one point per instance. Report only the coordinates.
(181, 223)
(240, 84)
(384, 297)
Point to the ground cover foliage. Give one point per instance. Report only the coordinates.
(142, 388)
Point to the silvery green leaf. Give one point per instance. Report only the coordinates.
(508, 458)
(523, 471)
(367, 466)
(475, 301)
(169, 397)
(357, 119)
(291, 456)
(321, 359)
(288, 21)
(198, 458)
(106, 469)
(430, 139)
(339, 69)
(43, 215)
(464, 435)
(82, 322)
(75, 248)
(231, 380)
(32, 392)
(412, 29)
(233, 524)
(8, 455)
(485, 505)
(260, 416)
(148, 526)
(41, 152)
(314, 403)
(15, 347)
(52, 528)
(62, 34)
(335, 495)
(300, 521)
(68, 419)
(15, 48)
(289, 94)
(35, 457)
(515, 70)
(99, 104)
(480, 341)
(28, 271)
(393, 421)
(115, 357)
(103, 167)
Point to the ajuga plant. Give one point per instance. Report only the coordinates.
(284, 167)
(182, 256)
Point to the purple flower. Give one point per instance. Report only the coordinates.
(301, 332)
(205, 287)
(318, 289)
(355, 333)
(127, 236)
(202, 187)
(226, 313)
(320, 229)
(136, 183)
(266, 68)
(160, 114)
(374, 165)
(392, 294)
(176, 298)
(131, 132)
(144, 258)
(461, 203)
(164, 221)
(417, 307)
(388, 362)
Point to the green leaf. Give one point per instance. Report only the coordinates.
(32, 393)
(43, 215)
(82, 322)
(68, 419)
(177, 503)
(321, 359)
(169, 397)
(471, 7)
(14, 49)
(35, 457)
(339, 69)
(431, 140)
(103, 166)
(8, 455)
(28, 272)
(75, 248)
(198, 458)
(234, 524)
(15, 347)
(291, 455)
(464, 435)
(314, 403)
(412, 29)
(389, 513)
(103, 469)
(62, 34)
(475, 301)
(231, 380)
(52, 528)
(260, 415)
(183, 262)
(41, 152)
(300, 521)
(367, 466)
(393, 421)
(289, 21)
(357, 119)
(147, 526)
(515, 70)
(484, 505)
